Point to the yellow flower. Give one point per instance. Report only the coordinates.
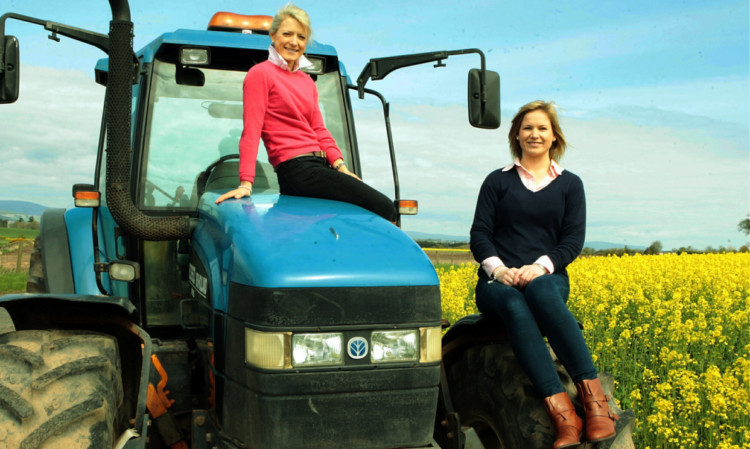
(673, 331)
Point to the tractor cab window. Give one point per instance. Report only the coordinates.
(194, 118)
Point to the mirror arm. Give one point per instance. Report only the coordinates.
(389, 133)
(379, 68)
(98, 40)
(482, 77)
(3, 18)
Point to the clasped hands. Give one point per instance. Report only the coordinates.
(518, 277)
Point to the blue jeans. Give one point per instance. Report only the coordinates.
(528, 314)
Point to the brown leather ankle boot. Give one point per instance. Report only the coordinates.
(600, 420)
(569, 425)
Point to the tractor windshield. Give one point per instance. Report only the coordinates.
(194, 117)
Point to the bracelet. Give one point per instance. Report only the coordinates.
(544, 269)
(249, 189)
(497, 270)
(337, 166)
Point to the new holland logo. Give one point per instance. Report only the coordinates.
(357, 348)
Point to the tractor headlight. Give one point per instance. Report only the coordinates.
(394, 346)
(268, 350)
(317, 67)
(431, 342)
(285, 350)
(190, 56)
(317, 349)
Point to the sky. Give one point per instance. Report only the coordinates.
(653, 99)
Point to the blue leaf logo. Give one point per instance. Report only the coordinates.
(357, 348)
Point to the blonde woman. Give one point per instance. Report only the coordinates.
(528, 226)
(281, 106)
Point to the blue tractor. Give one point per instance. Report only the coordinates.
(155, 318)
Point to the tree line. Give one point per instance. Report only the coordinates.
(655, 247)
(30, 223)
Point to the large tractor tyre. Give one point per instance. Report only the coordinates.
(493, 395)
(35, 282)
(59, 389)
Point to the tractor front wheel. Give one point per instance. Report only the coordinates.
(59, 389)
(494, 397)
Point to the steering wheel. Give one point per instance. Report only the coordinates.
(203, 176)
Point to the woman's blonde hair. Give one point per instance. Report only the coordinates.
(557, 149)
(296, 13)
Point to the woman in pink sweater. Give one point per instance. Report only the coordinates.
(281, 107)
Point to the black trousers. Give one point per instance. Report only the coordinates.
(311, 176)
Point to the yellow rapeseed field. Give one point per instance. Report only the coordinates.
(674, 330)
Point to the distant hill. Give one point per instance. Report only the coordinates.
(11, 209)
(416, 235)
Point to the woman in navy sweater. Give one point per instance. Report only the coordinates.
(528, 226)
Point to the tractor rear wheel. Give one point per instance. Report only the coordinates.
(59, 389)
(35, 280)
(493, 395)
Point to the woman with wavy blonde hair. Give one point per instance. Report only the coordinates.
(280, 106)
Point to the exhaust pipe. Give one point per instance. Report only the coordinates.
(118, 119)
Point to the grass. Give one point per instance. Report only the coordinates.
(12, 233)
(11, 282)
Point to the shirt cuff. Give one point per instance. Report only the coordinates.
(490, 264)
(546, 262)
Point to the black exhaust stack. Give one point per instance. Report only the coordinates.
(119, 154)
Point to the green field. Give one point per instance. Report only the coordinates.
(12, 233)
(7, 235)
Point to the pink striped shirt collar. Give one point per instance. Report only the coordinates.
(276, 58)
(528, 179)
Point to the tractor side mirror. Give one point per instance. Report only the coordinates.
(484, 114)
(9, 71)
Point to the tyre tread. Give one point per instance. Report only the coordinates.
(70, 369)
(59, 389)
(22, 354)
(14, 403)
(60, 421)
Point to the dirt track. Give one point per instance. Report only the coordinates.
(8, 261)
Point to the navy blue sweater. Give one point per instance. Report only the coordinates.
(519, 225)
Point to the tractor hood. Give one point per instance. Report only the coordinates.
(274, 241)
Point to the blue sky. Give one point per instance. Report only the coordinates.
(653, 95)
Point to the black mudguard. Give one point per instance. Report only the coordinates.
(55, 247)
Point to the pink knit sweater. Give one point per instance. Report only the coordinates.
(281, 107)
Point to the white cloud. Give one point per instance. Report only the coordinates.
(50, 135)
(643, 182)
(720, 98)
